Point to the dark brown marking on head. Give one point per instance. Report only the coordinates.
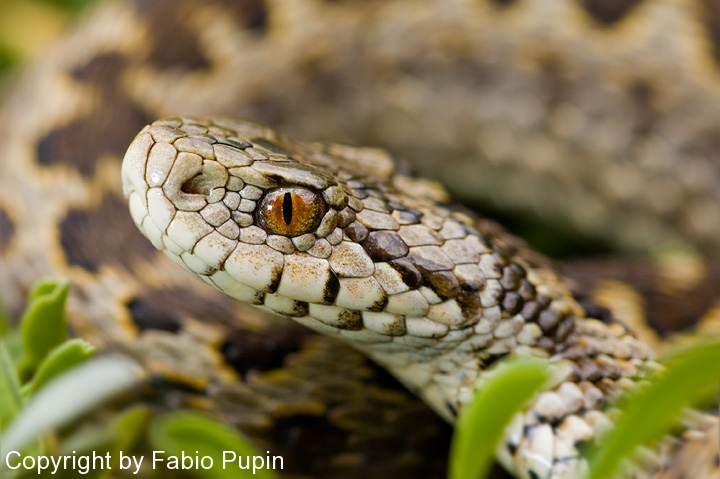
(608, 12)
(384, 246)
(103, 234)
(379, 305)
(407, 217)
(356, 231)
(503, 3)
(167, 308)
(408, 272)
(332, 288)
(7, 229)
(105, 130)
(470, 304)
(711, 19)
(425, 265)
(444, 283)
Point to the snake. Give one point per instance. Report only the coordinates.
(595, 114)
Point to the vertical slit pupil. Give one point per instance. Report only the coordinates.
(287, 208)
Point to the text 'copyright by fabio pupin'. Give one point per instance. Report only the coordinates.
(83, 464)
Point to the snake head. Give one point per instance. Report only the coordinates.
(252, 213)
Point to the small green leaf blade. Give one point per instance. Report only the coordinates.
(61, 359)
(482, 423)
(189, 432)
(11, 401)
(648, 412)
(43, 326)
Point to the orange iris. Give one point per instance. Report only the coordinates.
(290, 211)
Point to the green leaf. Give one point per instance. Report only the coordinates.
(482, 423)
(64, 357)
(131, 426)
(43, 325)
(68, 397)
(193, 434)
(4, 319)
(649, 411)
(11, 400)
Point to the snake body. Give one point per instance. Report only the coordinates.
(337, 239)
(603, 116)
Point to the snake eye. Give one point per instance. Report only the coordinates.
(290, 211)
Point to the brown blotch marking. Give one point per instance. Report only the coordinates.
(587, 370)
(106, 130)
(512, 276)
(532, 308)
(300, 309)
(512, 303)
(350, 320)
(332, 288)
(526, 290)
(250, 14)
(563, 330)
(379, 305)
(643, 96)
(270, 146)
(556, 86)
(444, 283)
(384, 246)
(666, 311)
(167, 308)
(175, 43)
(359, 399)
(103, 234)
(711, 19)
(608, 12)
(549, 319)
(7, 229)
(248, 351)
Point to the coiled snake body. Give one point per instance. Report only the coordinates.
(608, 115)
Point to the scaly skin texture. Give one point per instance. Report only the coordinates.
(604, 115)
(337, 239)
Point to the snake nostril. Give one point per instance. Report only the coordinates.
(211, 176)
(198, 185)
